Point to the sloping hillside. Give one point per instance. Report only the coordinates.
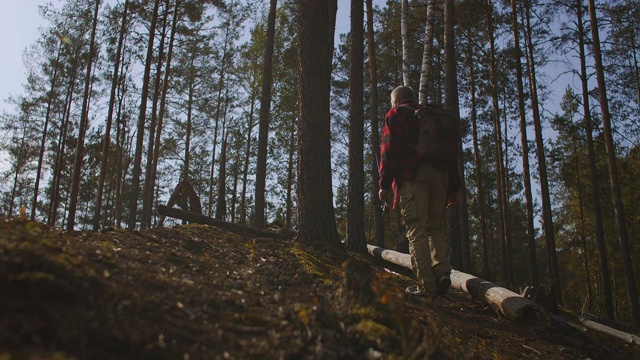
(201, 292)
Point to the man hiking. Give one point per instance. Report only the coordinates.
(423, 186)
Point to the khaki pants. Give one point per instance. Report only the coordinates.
(423, 203)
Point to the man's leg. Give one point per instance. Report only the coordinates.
(440, 266)
(414, 203)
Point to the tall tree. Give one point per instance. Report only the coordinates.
(265, 106)
(427, 52)
(84, 123)
(605, 277)
(316, 220)
(147, 186)
(224, 68)
(107, 132)
(47, 118)
(221, 204)
(504, 232)
(459, 224)
(547, 218)
(625, 250)
(375, 121)
(355, 203)
(531, 236)
(56, 179)
(137, 160)
(404, 32)
(162, 109)
(477, 160)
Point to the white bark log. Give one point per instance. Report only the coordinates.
(503, 301)
(404, 33)
(621, 335)
(427, 52)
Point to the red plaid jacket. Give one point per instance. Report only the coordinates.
(398, 159)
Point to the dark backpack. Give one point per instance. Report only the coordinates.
(438, 134)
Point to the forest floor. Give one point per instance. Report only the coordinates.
(201, 292)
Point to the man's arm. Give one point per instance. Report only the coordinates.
(389, 152)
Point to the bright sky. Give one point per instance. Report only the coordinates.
(19, 23)
(19, 28)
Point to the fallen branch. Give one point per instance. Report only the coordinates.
(621, 335)
(503, 301)
(205, 220)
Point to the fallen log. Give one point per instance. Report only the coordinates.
(206, 220)
(620, 335)
(503, 301)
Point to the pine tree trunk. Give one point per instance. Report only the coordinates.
(263, 132)
(219, 104)
(122, 155)
(531, 235)
(137, 159)
(482, 219)
(245, 169)
(47, 118)
(355, 197)
(234, 188)
(107, 131)
(427, 52)
(549, 234)
(221, 203)
(316, 217)
(583, 235)
(19, 165)
(187, 141)
(291, 171)
(502, 201)
(625, 250)
(62, 142)
(605, 277)
(147, 188)
(404, 33)
(507, 196)
(375, 121)
(84, 124)
(163, 98)
(458, 213)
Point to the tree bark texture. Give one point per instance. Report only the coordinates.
(477, 160)
(375, 126)
(459, 230)
(427, 52)
(137, 158)
(625, 249)
(107, 132)
(404, 33)
(605, 278)
(263, 132)
(547, 218)
(316, 218)
(82, 130)
(355, 195)
(531, 235)
(147, 187)
(503, 227)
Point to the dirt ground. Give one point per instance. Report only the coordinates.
(201, 292)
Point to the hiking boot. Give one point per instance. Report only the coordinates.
(415, 290)
(442, 285)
